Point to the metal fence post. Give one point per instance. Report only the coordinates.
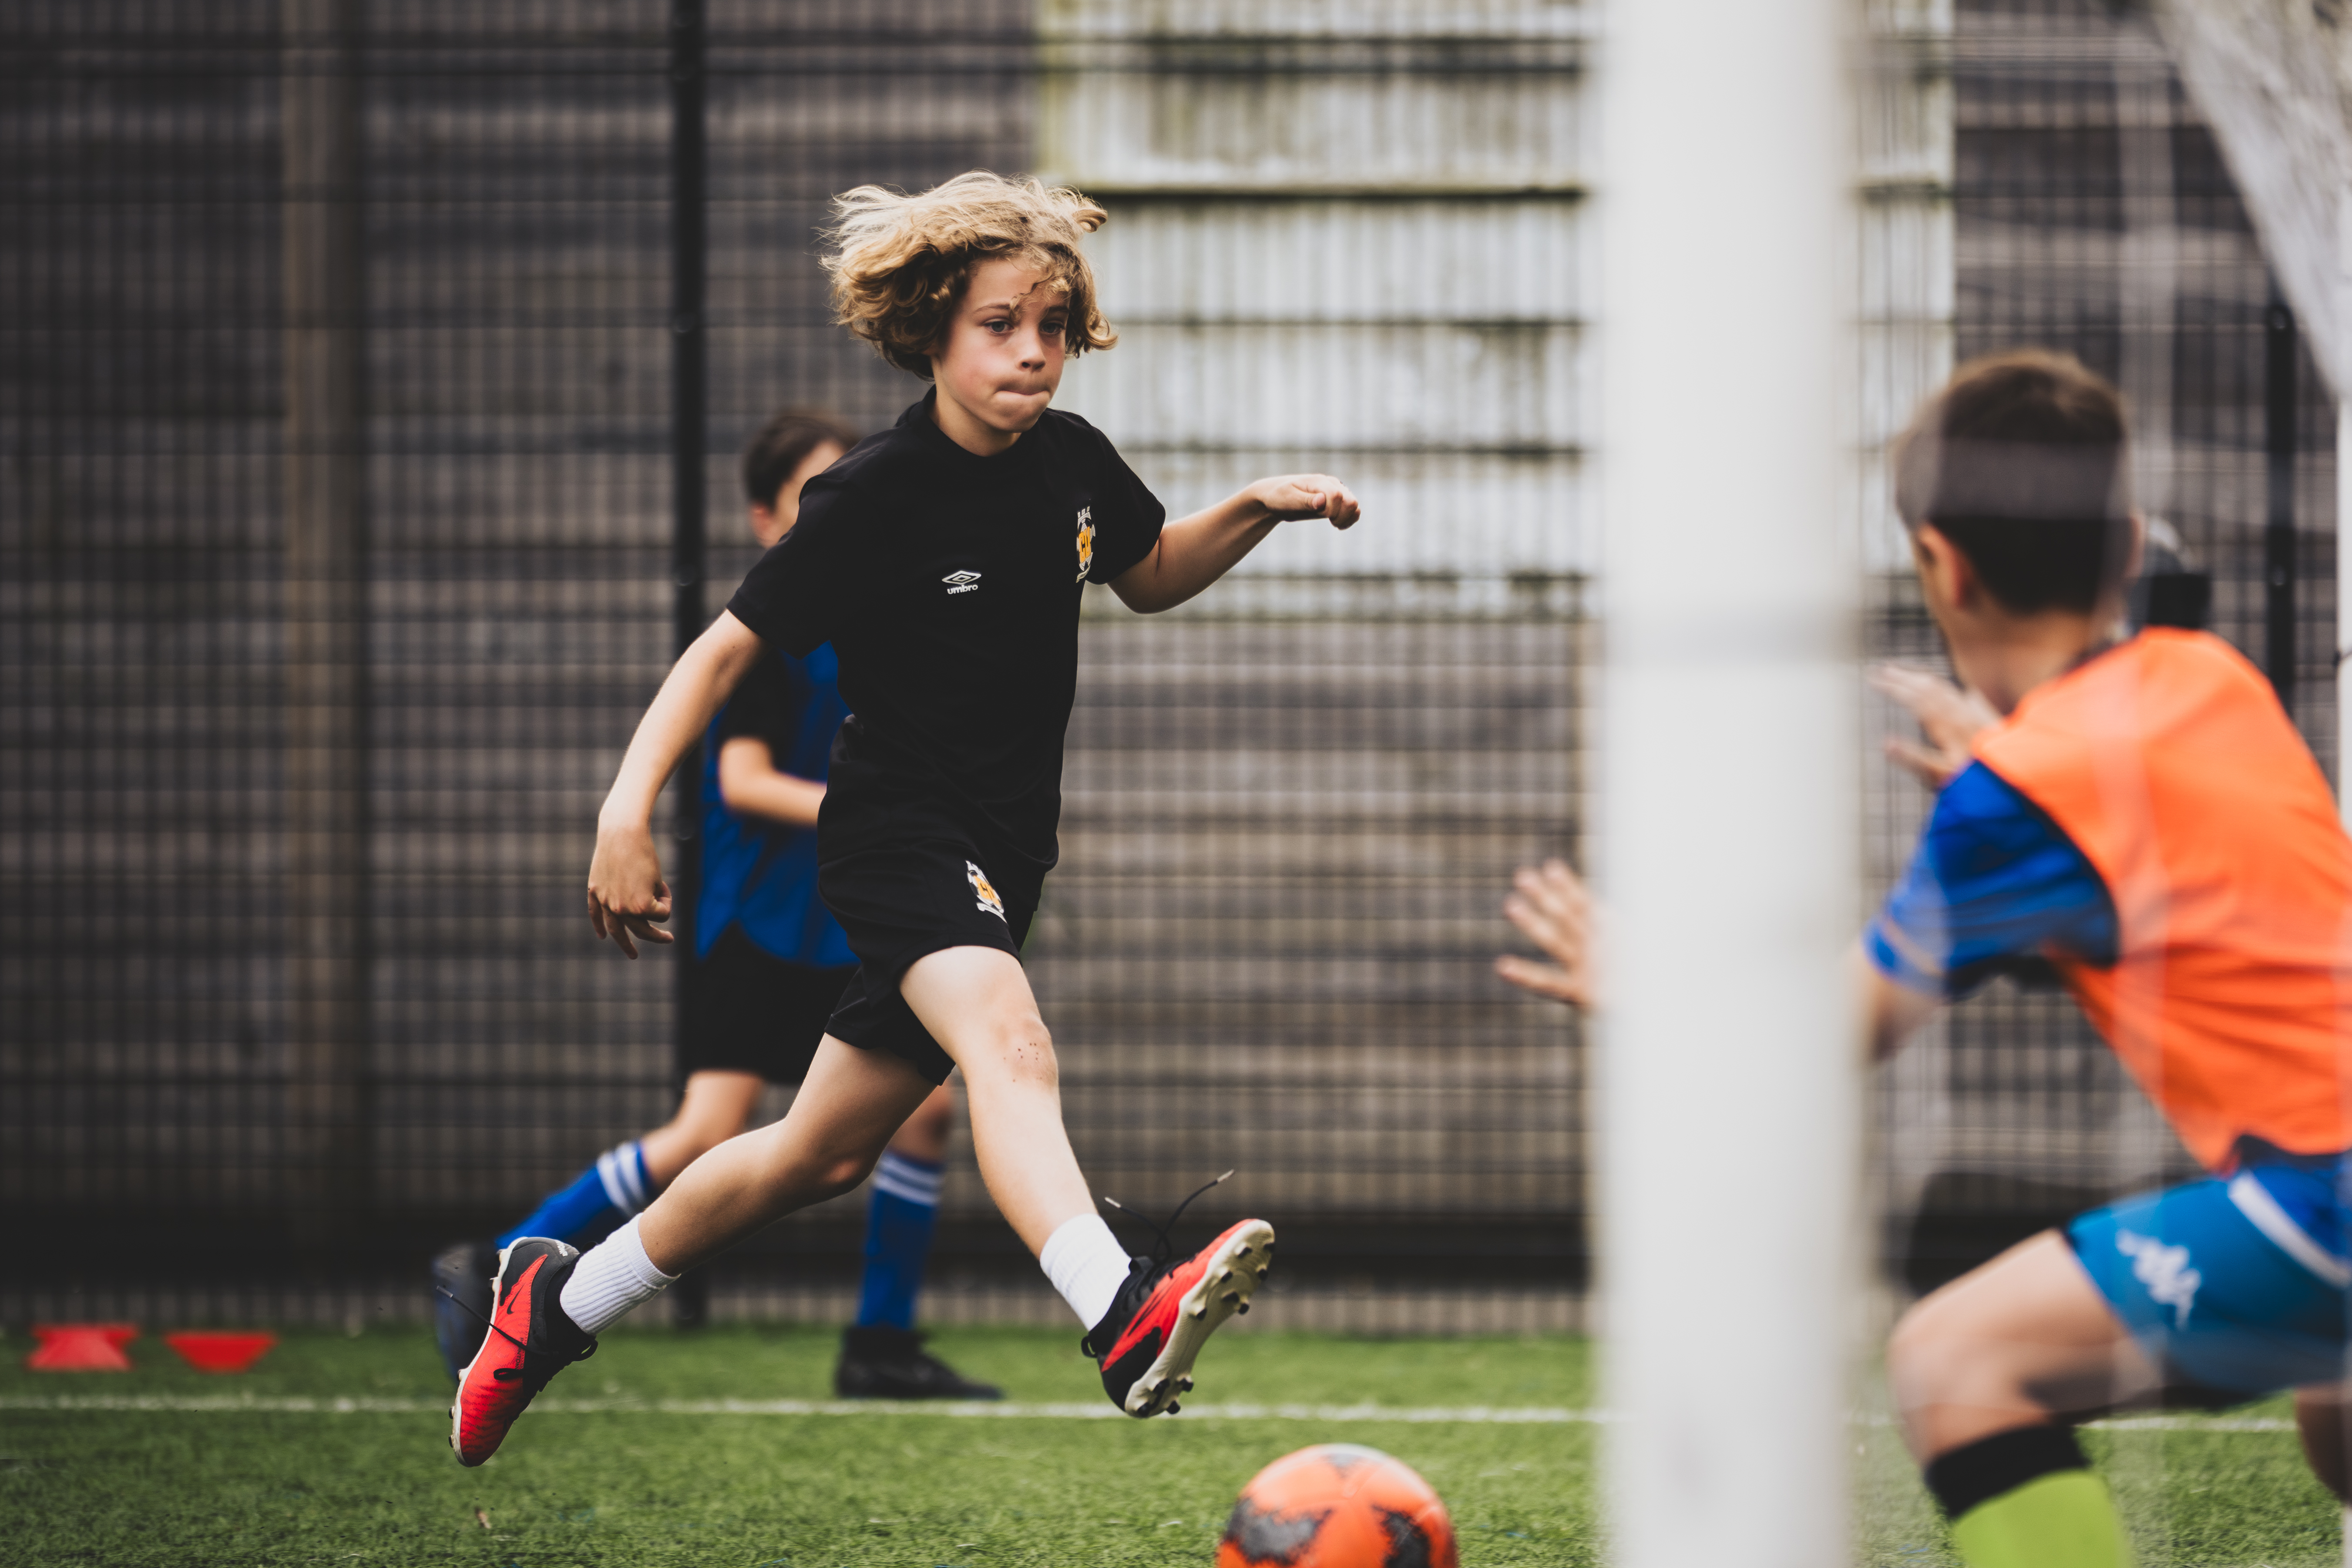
(688, 438)
(2278, 526)
(326, 617)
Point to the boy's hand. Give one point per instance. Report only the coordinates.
(1951, 716)
(1289, 497)
(625, 891)
(1555, 910)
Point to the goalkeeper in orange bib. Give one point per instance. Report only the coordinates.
(2139, 811)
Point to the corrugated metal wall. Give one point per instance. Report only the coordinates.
(1353, 238)
(1292, 809)
(1349, 239)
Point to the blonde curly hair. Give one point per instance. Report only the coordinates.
(899, 262)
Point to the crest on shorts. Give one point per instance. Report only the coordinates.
(989, 902)
(1086, 542)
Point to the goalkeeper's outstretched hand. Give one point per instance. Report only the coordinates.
(1950, 716)
(1554, 907)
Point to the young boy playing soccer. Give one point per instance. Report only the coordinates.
(943, 561)
(769, 966)
(2139, 811)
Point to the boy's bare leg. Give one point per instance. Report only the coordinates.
(977, 1004)
(2322, 1413)
(848, 1106)
(2025, 1340)
(1989, 1374)
(924, 1136)
(717, 1105)
(1145, 1322)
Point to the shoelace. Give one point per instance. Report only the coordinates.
(1161, 1250)
(1163, 1247)
(509, 1374)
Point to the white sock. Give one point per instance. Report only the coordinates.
(1086, 1265)
(611, 1278)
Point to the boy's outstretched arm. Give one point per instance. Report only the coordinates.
(1555, 910)
(1550, 905)
(1951, 717)
(1196, 550)
(626, 894)
(1890, 1012)
(752, 786)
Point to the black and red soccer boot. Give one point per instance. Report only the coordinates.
(1147, 1343)
(530, 1341)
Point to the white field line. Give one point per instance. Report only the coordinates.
(298, 1405)
(1461, 1415)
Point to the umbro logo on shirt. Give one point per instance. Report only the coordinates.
(962, 582)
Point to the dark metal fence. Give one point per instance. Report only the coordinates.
(2093, 215)
(344, 352)
(349, 473)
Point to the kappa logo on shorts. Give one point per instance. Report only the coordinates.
(2164, 1270)
(962, 582)
(1086, 542)
(989, 902)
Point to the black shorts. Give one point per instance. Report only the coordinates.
(906, 902)
(748, 1011)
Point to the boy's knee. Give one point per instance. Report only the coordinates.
(1919, 1352)
(820, 1176)
(934, 1119)
(844, 1176)
(1015, 1047)
(690, 1140)
(2321, 1418)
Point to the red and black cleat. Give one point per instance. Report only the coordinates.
(1166, 1312)
(530, 1341)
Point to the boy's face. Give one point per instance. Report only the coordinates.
(999, 363)
(771, 524)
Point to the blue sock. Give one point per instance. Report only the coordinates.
(898, 1224)
(611, 1190)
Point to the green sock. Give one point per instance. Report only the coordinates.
(2062, 1520)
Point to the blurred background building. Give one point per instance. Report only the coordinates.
(341, 541)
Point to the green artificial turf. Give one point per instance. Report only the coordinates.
(642, 1486)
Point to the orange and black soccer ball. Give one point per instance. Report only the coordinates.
(1338, 1506)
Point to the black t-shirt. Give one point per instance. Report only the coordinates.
(763, 705)
(948, 587)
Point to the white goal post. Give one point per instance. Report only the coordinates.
(1726, 851)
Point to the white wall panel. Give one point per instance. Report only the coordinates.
(1455, 261)
(1367, 257)
(1376, 386)
(1475, 514)
(1375, 130)
(1318, 18)
(1906, 271)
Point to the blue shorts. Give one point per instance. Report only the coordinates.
(2237, 1286)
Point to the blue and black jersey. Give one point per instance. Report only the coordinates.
(1994, 880)
(756, 873)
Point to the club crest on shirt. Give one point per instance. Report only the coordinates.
(989, 902)
(1086, 542)
(962, 582)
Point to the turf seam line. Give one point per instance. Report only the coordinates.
(1471, 1415)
